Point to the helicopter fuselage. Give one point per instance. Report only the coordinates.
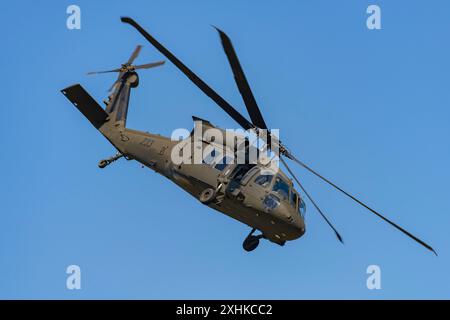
(278, 214)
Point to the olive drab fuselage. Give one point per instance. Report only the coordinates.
(278, 218)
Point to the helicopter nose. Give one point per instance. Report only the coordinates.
(296, 229)
(300, 226)
(297, 226)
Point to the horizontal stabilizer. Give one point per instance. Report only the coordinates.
(86, 104)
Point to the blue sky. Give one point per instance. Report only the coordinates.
(368, 109)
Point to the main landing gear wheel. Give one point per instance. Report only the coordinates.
(207, 196)
(251, 242)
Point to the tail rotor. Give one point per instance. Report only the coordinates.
(128, 67)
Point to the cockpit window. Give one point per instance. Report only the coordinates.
(281, 187)
(264, 180)
(294, 199)
(222, 164)
(302, 207)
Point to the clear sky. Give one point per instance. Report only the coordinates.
(368, 109)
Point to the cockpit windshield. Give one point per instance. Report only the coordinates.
(264, 180)
(281, 187)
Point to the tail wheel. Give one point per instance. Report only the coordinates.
(207, 196)
(102, 164)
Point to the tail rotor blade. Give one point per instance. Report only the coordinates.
(150, 65)
(362, 204)
(134, 55)
(100, 72)
(339, 237)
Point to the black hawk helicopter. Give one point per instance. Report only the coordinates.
(264, 199)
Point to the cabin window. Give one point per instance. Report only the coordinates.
(264, 180)
(209, 157)
(238, 173)
(281, 187)
(222, 164)
(250, 174)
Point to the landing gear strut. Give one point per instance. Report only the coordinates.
(105, 162)
(251, 242)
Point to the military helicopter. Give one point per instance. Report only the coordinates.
(250, 192)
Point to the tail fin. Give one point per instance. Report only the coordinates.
(86, 104)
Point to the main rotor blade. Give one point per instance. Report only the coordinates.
(313, 202)
(134, 55)
(149, 65)
(99, 72)
(233, 113)
(241, 81)
(362, 204)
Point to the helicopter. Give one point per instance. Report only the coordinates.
(252, 192)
